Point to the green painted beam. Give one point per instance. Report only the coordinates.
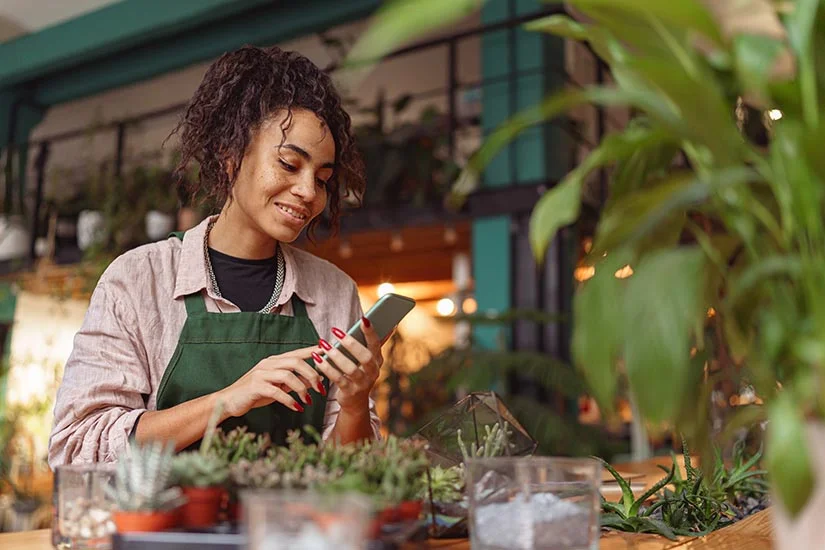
(107, 32)
(263, 25)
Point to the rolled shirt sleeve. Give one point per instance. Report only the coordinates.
(104, 385)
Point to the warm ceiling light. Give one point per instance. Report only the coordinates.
(445, 307)
(584, 273)
(385, 288)
(396, 242)
(624, 272)
(450, 235)
(345, 249)
(775, 114)
(470, 305)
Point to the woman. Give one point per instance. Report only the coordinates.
(229, 312)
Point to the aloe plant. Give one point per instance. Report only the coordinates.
(710, 216)
(143, 479)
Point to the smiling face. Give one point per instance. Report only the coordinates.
(282, 183)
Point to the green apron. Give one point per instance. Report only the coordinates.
(216, 349)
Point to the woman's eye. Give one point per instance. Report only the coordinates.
(322, 183)
(288, 167)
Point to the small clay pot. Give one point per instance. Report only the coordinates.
(143, 522)
(202, 508)
(410, 510)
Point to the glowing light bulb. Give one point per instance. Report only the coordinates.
(445, 307)
(385, 288)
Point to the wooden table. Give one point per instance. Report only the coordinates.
(753, 533)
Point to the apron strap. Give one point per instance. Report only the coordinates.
(299, 309)
(194, 303)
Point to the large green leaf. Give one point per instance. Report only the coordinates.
(550, 107)
(662, 306)
(620, 224)
(685, 14)
(560, 206)
(598, 327)
(755, 57)
(787, 454)
(402, 20)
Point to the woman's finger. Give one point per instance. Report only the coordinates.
(355, 348)
(338, 359)
(277, 394)
(334, 375)
(288, 379)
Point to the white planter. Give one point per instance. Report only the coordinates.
(15, 239)
(807, 530)
(159, 225)
(91, 228)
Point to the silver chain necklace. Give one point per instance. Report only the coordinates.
(279, 274)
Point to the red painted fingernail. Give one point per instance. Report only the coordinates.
(338, 332)
(299, 408)
(324, 344)
(321, 389)
(308, 399)
(317, 358)
(366, 322)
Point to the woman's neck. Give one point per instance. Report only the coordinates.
(235, 238)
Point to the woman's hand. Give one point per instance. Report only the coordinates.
(355, 380)
(271, 380)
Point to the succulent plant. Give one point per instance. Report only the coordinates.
(195, 469)
(446, 484)
(493, 443)
(143, 479)
(390, 471)
(239, 444)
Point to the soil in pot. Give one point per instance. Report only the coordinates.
(202, 508)
(143, 522)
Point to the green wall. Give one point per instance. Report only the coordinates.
(536, 156)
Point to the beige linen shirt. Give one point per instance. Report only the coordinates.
(132, 327)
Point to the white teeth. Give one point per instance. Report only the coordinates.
(291, 212)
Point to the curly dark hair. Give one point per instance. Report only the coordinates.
(239, 92)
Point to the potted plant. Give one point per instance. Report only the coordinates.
(201, 477)
(161, 199)
(716, 202)
(144, 495)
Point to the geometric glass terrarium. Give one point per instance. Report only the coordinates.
(478, 425)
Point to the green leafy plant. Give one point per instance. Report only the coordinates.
(194, 469)
(493, 442)
(389, 471)
(143, 479)
(238, 444)
(446, 485)
(629, 513)
(716, 198)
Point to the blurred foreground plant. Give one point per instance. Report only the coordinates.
(716, 200)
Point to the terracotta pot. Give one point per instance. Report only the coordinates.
(203, 505)
(410, 509)
(142, 522)
(807, 530)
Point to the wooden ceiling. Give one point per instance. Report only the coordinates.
(426, 253)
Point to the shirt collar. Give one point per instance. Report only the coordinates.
(192, 274)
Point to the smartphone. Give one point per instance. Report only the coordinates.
(384, 316)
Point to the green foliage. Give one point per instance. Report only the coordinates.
(193, 469)
(492, 442)
(143, 479)
(446, 484)
(238, 444)
(389, 471)
(692, 505)
(757, 183)
(629, 514)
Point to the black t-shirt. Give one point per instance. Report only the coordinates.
(246, 283)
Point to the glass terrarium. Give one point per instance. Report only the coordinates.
(480, 425)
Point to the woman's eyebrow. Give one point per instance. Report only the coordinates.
(304, 154)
